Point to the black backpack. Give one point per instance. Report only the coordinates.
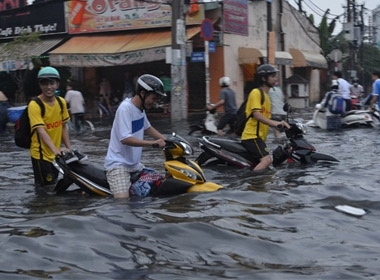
(241, 119)
(23, 136)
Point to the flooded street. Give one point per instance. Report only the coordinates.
(280, 225)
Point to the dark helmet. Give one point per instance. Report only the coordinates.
(48, 73)
(150, 84)
(266, 69)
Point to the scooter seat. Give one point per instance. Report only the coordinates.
(94, 173)
(229, 144)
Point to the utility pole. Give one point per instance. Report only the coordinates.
(178, 66)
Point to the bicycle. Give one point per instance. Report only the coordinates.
(85, 126)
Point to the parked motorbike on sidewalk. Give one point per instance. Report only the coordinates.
(216, 150)
(181, 174)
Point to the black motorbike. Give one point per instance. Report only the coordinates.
(230, 151)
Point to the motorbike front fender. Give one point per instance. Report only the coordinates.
(205, 187)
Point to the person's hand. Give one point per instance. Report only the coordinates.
(282, 124)
(210, 107)
(159, 143)
(61, 151)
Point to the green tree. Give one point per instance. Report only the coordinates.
(17, 49)
(369, 61)
(326, 29)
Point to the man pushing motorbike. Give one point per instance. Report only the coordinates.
(127, 135)
(258, 110)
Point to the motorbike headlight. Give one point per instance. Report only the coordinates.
(187, 149)
(189, 174)
(301, 127)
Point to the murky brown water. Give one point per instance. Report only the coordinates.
(281, 225)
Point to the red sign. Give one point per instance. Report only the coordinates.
(11, 4)
(207, 29)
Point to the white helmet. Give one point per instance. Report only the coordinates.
(334, 84)
(224, 81)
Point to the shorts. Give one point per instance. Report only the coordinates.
(44, 172)
(119, 179)
(256, 148)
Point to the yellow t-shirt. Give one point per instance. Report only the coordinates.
(254, 129)
(53, 122)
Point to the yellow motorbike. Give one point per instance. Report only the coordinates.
(181, 174)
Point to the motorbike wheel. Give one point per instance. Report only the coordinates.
(88, 126)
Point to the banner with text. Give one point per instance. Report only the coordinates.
(101, 15)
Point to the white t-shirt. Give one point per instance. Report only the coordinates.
(75, 100)
(277, 101)
(129, 121)
(344, 88)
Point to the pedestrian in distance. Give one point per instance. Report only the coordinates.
(127, 135)
(375, 90)
(344, 88)
(75, 102)
(50, 130)
(277, 100)
(227, 99)
(356, 89)
(4, 105)
(105, 94)
(128, 85)
(258, 110)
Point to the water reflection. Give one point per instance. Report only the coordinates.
(279, 225)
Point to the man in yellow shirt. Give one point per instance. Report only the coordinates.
(257, 127)
(49, 130)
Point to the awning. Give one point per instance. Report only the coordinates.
(249, 55)
(252, 56)
(19, 59)
(111, 50)
(307, 59)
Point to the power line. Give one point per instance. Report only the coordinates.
(328, 16)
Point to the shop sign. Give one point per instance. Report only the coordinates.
(13, 65)
(197, 57)
(104, 15)
(236, 16)
(99, 60)
(48, 19)
(11, 4)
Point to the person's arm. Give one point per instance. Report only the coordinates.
(373, 101)
(216, 105)
(152, 132)
(65, 137)
(44, 136)
(261, 118)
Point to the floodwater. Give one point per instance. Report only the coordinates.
(280, 225)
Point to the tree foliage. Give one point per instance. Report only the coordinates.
(18, 47)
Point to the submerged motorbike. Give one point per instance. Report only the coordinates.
(181, 174)
(351, 118)
(232, 152)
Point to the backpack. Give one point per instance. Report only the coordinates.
(23, 136)
(337, 104)
(241, 119)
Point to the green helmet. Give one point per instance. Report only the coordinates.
(48, 73)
